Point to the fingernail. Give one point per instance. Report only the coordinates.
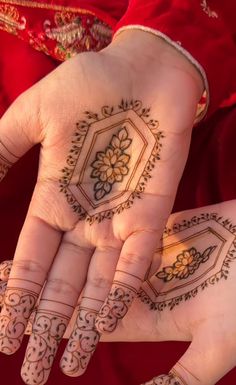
(81, 345)
(17, 307)
(115, 307)
(48, 330)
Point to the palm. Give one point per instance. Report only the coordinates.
(109, 169)
(203, 311)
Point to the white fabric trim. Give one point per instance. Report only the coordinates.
(177, 45)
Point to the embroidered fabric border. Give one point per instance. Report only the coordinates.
(55, 7)
(201, 110)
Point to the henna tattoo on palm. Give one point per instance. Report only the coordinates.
(165, 379)
(111, 159)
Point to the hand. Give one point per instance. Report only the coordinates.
(114, 129)
(190, 298)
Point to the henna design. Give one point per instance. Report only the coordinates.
(111, 165)
(17, 307)
(166, 379)
(115, 307)
(186, 264)
(5, 269)
(48, 330)
(119, 126)
(7, 159)
(209, 265)
(82, 343)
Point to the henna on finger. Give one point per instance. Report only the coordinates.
(7, 159)
(82, 343)
(115, 307)
(5, 269)
(48, 330)
(17, 307)
(173, 378)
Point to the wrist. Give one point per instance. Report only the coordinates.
(143, 50)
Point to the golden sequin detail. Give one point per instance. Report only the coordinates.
(10, 19)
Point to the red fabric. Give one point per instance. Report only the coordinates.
(208, 37)
(208, 178)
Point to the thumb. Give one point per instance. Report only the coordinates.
(19, 129)
(204, 363)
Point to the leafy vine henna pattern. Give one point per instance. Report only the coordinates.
(112, 156)
(48, 330)
(17, 307)
(115, 307)
(7, 159)
(166, 379)
(82, 343)
(210, 249)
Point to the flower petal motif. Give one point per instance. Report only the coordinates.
(111, 165)
(186, 264)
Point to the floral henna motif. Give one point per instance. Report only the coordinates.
(48, 330)
(17, 307)
(82, 343)
(186, 264)
(115, 307)
(197, 270)
(100, 150)
(111, 165)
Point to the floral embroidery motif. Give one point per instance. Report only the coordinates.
(61, 32)
(75, 33)
(207, 9)
(186, 264)
(110, 166)
(10, 20)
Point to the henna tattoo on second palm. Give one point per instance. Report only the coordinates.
(111, 160)
(165, 379)
(184, 273)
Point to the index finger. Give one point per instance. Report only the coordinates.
(136, 256)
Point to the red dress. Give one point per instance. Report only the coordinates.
(203, 30)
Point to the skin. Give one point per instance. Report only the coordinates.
(207, 319)
(115, 251)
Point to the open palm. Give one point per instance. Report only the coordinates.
(110, 161)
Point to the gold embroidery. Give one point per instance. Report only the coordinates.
(207, 9)
(10, 20)
(55, 7)
(73, 36)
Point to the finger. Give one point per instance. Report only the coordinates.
(35, 251)
(85, 337)
(19, 130)
(131, 269)
(5, 268)
(56, 306)
(202, 363)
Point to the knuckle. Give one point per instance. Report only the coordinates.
(26, 266)
(133, 259)
(60, 286)
(98, 281)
